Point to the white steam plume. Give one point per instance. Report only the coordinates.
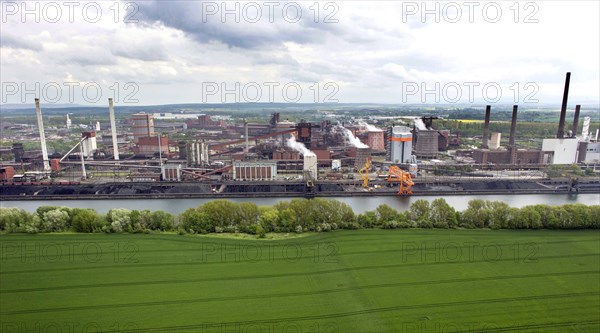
(420, 124)
(350, 138)
(368, 127)
(298, 146)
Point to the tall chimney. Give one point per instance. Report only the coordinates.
(486, 127)
(246, 149)
(113, 128)
(83, 173)
(563, 110)
(513, 126)
(38, 112)
(575, 120)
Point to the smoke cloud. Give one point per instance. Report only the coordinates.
(368, 127)
(298, 146)
(420, 124)
(349, 136)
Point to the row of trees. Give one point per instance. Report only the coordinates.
(60, 219)
(300, 215)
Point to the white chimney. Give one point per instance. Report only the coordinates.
(40, 121)
(113, 128)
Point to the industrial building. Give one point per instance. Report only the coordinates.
(400, 145)
(567, 147)
(204, 122)
(89, 145)
(313, 155)
(426, 143)
(149, 145)
(195, 153)
(142, 125)
(375, 140)
(254, 170)
(511, 154)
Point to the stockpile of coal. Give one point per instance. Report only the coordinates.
(265, 188)
(501, 185)
(101, 189)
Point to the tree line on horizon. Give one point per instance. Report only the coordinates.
(299, 215)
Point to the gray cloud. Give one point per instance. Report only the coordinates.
(267, 59)
(187, 16)
(9, 41)
(140, 52)
(86, 60)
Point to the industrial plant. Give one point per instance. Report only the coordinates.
(136, 155)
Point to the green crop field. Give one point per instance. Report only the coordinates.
(344, 281)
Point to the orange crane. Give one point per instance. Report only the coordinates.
(364, 173)
(402, 177)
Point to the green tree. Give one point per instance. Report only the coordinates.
(367, 220)
(594, 217)
(442, 215)
(248, 215)
(287, 220)
(220, 213)
(526, 218)
(14, 219)
(87, 220)
(269, 219)
(499, 214)
(579, 216)
(119, 219)
(55, 220)
(477, 215)
(385, 213)
(194, 221)
(419, 214)
(139, 220)
(161, 221)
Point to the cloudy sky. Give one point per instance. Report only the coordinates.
(154, 52)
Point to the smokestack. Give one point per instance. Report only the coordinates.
(486, 127)
(113, 128)
(575, 120)
(246, 134)
(563, 110)
(38, 112)
(83, 173)
(513, 126)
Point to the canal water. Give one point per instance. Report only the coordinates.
(358, 204)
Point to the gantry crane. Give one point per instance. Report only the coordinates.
(364, 173)
(402, 177)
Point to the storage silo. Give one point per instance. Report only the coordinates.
(401, 145)
(310, 165)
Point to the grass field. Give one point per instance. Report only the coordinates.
(346, 281)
